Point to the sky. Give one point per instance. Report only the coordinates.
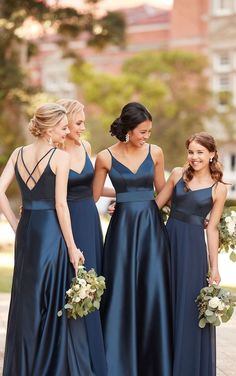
(112, 4)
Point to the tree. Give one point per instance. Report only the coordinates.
(172, 84)
(15, 91)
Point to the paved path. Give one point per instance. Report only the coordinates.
(226, 341)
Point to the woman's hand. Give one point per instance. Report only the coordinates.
(214, 276)
(76, 258)
(111, 209)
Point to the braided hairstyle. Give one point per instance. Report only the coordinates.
(132, 114)
(206, 140)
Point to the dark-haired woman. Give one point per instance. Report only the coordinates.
(196, 190)
(136, 311)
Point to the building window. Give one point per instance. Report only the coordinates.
(222, 7)
(233, 162)
(224, 82)
(224, 59)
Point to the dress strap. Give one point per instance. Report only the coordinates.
(16, 162)
(110, 152)
(31, 173)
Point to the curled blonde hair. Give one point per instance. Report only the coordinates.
(72, 107)
(46, 117)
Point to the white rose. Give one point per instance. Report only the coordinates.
(83, 293)
(214, 302)
(231, 227)
(69, 292)
(76, 299)
(233, 213)
(76, 287)
(221, 306)
(82, 281)
(227, 219)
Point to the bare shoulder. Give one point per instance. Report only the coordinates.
(61, 156)
(103, 159)
(221, 190)
(156, 150)
(15, 154)
(176, 174)
(87, 146)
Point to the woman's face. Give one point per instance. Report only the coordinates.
(77, 126)
(199, 156)
(139, 135)
(59, 132)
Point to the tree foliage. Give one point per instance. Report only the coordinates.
(172, 84)
(15, 48)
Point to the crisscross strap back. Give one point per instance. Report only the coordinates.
(26, 168)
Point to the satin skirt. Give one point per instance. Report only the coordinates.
(39, 343)
(136, 308)
(194, 348)
(87, 233)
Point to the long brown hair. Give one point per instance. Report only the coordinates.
(206, 140)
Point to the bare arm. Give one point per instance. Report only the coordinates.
(159, 177)
(108, 192)
(62, 161)
(213, 232)
(5, 180)
(165, 195)
(101, 170)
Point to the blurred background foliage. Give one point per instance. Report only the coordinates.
(172, 84)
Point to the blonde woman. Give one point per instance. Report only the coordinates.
(84, 217)
(38, 342)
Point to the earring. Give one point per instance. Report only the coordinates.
(126, 138)
(50, 141)
(211, 160)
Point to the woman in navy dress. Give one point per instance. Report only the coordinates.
(196, 191)
(38, 342)
(85, 220)
(136, 309)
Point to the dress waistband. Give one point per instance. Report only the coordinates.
(38, 204)
(188, 218)
(77, 196)
(135, 196)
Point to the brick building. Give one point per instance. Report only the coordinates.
(207, 26)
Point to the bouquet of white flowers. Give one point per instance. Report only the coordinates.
(215, 305)
(84, 294)
(227, 232)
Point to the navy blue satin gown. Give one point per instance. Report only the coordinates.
(87, 234)
(194, 348)
(39, 343)
(136, 308)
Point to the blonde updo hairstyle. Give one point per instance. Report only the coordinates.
(72, 107)
(46, 117)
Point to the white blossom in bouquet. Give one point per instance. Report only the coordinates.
(227, 232)
(84, 294)
(215, 305)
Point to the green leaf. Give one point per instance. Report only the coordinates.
(232, 256)
(202, 323)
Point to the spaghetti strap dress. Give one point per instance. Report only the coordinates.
(87, 234)
(136, 308)
(194, 348)
(38, 342)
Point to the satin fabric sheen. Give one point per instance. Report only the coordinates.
(87, 233)
(39, 343)
(136, 309)
(194, 348)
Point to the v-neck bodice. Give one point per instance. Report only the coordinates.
(80, 184)
(124, 180)
(196, 202)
